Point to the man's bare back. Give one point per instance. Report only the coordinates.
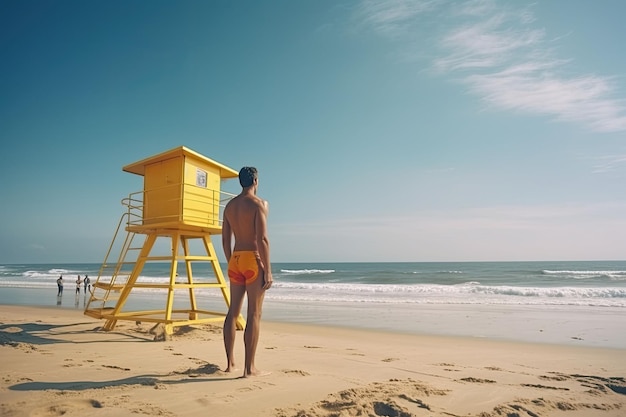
(241, 213)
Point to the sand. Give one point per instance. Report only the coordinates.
(58, 362)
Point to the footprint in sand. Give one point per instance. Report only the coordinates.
(478, 380)
(392, 398)
(151, 410)
(448, 366)
(12, 409)
(544, 387)
(601, 384)
(70, 363)
(75, 407)
(295, 372)
(597, 384)
(553, 378)
(116, 367)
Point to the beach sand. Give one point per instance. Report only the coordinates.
(58, 362)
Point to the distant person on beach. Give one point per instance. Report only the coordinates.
(78, 282)
(87, 283)
(60, 285)
(249, 269)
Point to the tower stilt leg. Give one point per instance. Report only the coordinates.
(192, 295)
(141, 261)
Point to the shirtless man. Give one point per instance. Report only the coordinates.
(249, 269)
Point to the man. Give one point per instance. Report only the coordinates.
(249, 269)
(87, 283)
(60, 286)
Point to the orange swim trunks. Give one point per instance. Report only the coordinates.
(243, 267)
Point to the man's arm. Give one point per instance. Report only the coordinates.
(227, 235)
(263, 243)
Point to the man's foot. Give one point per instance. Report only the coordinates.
(256, 373)
(231, 368)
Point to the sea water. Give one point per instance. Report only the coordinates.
(585, 283)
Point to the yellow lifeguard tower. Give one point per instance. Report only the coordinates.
(180, 207)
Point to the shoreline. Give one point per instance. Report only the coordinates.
(58, 362)
(555, 324)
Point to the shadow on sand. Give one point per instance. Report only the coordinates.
(184, 377)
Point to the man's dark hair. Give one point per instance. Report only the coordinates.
(247, 175)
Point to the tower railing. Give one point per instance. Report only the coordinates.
(194, 197)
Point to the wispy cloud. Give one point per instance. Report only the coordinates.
(503, 58)
(485, 44)
(609, 163)
(394, 17)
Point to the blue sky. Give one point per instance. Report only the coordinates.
(382, 130)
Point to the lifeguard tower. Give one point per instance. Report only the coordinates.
(170, 223)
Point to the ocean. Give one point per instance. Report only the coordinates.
(582, 303)
(584, 283)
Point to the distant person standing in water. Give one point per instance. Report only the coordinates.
(249, 269)
(60, 285)
(87, 282)
(78, 282)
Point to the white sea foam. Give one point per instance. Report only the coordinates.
(613, 275)
(59, 271)
(570, 272)
(307, 271)
(467, 293)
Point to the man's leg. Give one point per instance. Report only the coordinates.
(237, 293)
(256, 294)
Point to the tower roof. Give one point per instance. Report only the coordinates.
(139, 167)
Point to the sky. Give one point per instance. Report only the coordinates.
(383, 131)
